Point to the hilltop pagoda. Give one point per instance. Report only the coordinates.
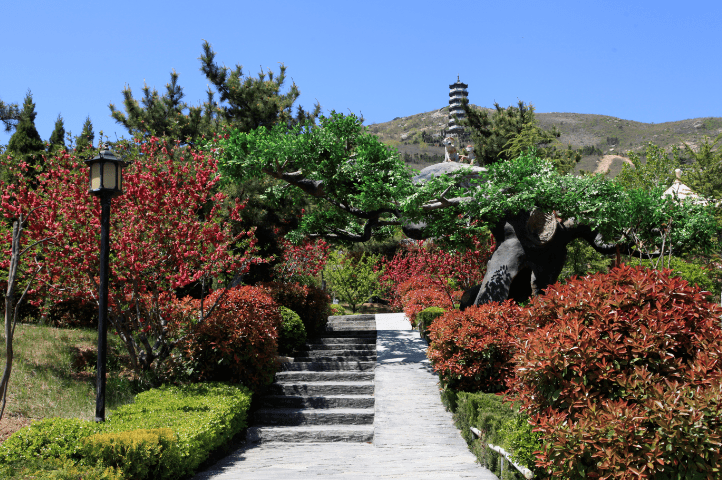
(457, 92)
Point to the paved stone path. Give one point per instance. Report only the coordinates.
(414, 436)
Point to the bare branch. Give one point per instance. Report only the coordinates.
(445, 203)
(311, 187)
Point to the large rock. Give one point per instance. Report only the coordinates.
(441, 168)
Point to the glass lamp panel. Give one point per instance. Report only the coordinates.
(95, 176)
(109, 175)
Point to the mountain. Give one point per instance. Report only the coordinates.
(610, 138)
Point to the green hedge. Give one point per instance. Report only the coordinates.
(194, 420)
(205, 416)
(425, 318)
(292, 336)
(138, 453)
(500, 425)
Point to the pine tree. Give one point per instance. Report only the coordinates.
(253, 102)
(9, 115)
(86, 137)
(25, 144)
(165, 115)
(57, 139)
(246, 103)
(510, 132)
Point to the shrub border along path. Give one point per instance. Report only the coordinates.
(414, 436)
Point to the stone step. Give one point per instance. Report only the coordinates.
(339, 348)
(324, 401)
(366, 317)
(354, 332)
(329, 366)
(367, 340)
(312, 416)
(322, 388)
(358, 335)
(336, 358)
(311, 434)
(295, 377)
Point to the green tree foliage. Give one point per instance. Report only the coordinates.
(86, 137)
(583, 260)
(359, 186)
(352, 179)
(57, 139)
(704, 176)
(509, 132)
(26, 141)
(248, 103)
(9, 115)
(245, 103)
(166, 115)
(656, 171)
(353, 280)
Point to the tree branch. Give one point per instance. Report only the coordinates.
(311, 187)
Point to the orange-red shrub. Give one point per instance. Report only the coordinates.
(415, 301)
(238, 341)
(622, 375)
(473, 350)
(310, 303)
(433, 265)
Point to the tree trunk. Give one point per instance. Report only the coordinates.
(530, 253)
(10, 312)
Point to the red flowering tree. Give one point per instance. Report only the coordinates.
(301, 260)
(171, 228)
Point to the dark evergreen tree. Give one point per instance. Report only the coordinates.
(57, 139)
(25, 144)
(166, 115)
(86, 137)
(9, 115)
(247, 102)
(508, 132)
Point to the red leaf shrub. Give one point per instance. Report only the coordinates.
(473, 350)
(437, 266)
(414, 301)
(310, 303)
(622, 375)
(238, 341)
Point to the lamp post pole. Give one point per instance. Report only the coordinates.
(103, 307)
(105, 182)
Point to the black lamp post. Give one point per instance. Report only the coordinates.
(106, 182)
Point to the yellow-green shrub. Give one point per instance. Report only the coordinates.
(204, 416)
(49, 438)
(62, 468)
(139, 454)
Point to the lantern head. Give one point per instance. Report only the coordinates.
(106, 173)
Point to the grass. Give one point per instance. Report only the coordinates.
(53, 375)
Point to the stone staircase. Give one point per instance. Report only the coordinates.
(327, 393)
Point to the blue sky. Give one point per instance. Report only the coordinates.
(649, 61)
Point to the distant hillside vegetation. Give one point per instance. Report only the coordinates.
(417, 136)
